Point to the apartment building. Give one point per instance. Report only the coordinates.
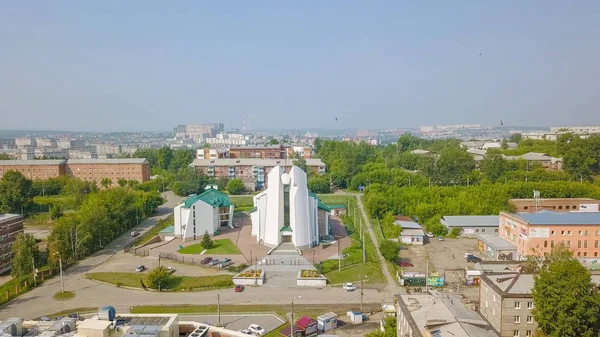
(10, 226)
(555, 205)
(430, 315)
(85, 169)
(251, 171)
(197, 131)
(579, 130)
(204, 153)
(505, 301)
(258, 152)
(305, 152)
(579, 231)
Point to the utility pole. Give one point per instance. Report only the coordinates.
(255, 270)
(62, 283)
(219, 309)
(159, 260)
(361, 293)
(364, 253)
(426, 275)
(339, 256)
(34, 272)
(251, 257)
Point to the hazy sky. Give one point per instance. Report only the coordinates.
(135, 65)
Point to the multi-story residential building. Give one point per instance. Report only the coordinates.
(258, 152)
(226, 139)
(204, 153)
(505, 301)
(45, 142)
(555, 205)
(580, 130)
(86, 169)
(198, 131)
(430, 315)
(249, 170)
(546, 161)
(305, 152)
(24, 142)
(10, 226)
(540, 232)
(108, 149)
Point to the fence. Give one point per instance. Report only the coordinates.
(180, 258)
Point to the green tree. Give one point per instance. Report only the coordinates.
(207, 242)
(181, 158)
(515, 138)
(235, 186)
(4, 156)
(389, 329)
(565, 298)
(273, 141)
(301, 163)
(164, 157)
(15, 192)
(188, 181)
(389, 249)
(149, 154)
(493, 166)
(122, 182)
(319, 184)
(159, 278)
(222, 183)
(25, 254)
(389, 227)
(453, 166)
(106, 182)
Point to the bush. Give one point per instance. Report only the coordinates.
(389, 250)
(238, 268)
(159, 277)
(236, 186)
(454, 233)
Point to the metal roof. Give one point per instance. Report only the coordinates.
(555, 218)
(497, 243)
(170, 229)
(8, 216)
(471, 220)
(408, 224)
(212, 197)
(252, 162)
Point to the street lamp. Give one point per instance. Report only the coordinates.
(62, 283)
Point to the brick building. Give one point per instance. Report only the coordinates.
(555, 205)
(253, 172)
(85, 169)
(578, 231)
(10, 226)
(258, 152)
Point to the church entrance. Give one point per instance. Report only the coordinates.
(286, 239)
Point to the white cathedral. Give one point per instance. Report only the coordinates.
(286, 212)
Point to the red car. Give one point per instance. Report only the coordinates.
(206, 260)
(406, 264)
(239, 288)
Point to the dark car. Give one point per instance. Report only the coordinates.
(239, 288)
(206, 260)
(406, 264)
(472, 258)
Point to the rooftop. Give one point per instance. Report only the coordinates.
(170, 229)
(497, 242)
(108, 161)
(8, 216)
(31, 162)
(212, 197)
(252, 162)
(408, 224)
(555, 218)
(471, 220)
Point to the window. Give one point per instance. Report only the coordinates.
(595, 254)
(596, 244)
(578, 243)
(584, 253)
(584, 243)
(494, 298)
(578, 253)
(552, 244)
(477, 230)
(546, 244)
(580, 232)
(530, 319)
(526, 207)
(517, 319)
(528, 333)
(496, 230)
(517, 305)
(569, 244)
(529, 305)
(516, 333)
(562, 233)
(597, 233)
(483, 230)
(559, 207)
(494, 311)
(567, 207)
(552, 232)
(569, 233)
(586, 233)
(486, 303)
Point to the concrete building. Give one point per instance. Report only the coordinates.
(206, 212)
(579, 231)
(305, 152)
(253, 170)
(578, 130)
(10, 226)
(207, 153)
(430, 315)
(412, 233)
(287, 213)
(555, 205)
(226, 139)
(85, 169)
(497, 248)
(198, 132)
(258, 152)
(472, 224)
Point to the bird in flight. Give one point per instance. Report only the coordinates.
(501, 122)
(480, 54)
(336, 119)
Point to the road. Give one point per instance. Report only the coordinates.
(391, 287)
(39, 302)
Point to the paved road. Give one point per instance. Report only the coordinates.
(392, 287)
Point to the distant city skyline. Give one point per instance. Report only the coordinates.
(138, 66)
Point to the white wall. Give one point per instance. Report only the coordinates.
(300, 216)
(205, 220)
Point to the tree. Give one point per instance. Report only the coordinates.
(4, 156)
(389, 329)
(566, 301)
(164, 157)
(319, 184)
(122, 182)
(235, 186)
(106, 182)
(159, 278)
(515, 138)
(207, 242)
(389, 249)
(273, 141)
(181, 158)
(25, 254)
(15, 192)
(301, 163)
(389, 227)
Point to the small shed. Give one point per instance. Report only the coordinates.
(327, 321)
(286, 332)
(308, 325)
(356, 316)
(412, 233)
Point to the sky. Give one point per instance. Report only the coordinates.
(151, 65)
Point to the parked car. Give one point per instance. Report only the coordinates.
(257, 329)
(245, 331)
(440, 238)
(239, 288)
(214, 262)
(140, 269)
(403, 247)
(406, 264)
(226, 262)
(171, 270)
(473, 258)
(430, 235)
(206, 260)
(134, 234)
(349, 286)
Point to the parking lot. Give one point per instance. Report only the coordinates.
(237, 322)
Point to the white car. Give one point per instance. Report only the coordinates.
(349, 286)
(257, 329)
(430, 235)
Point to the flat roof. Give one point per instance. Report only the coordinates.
(497, 242)
(108, 161)
(563, 218)
(252, 162)
(94, 324)
(471, 220)
(553, 199)
(170, 229)
(19, 162)
(408, 224)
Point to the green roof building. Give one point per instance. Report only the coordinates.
(206, 212)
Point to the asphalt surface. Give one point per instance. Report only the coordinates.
(268, 322)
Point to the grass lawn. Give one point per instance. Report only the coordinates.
(337, 199)
(371, 272)
(222, 246)
(241, 201)
(176, 283)
(67, 295)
